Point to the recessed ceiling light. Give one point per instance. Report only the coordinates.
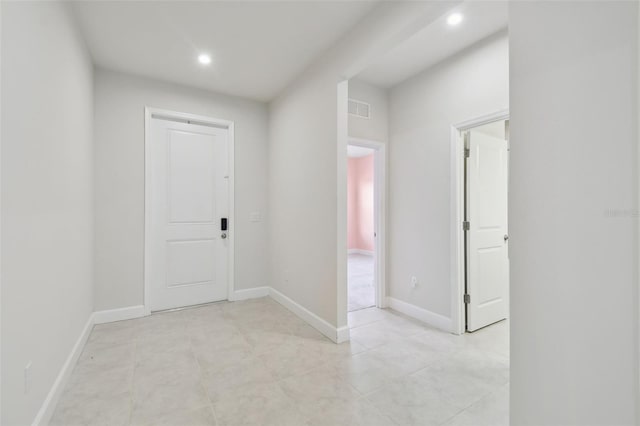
(454, 19)
(204, 59)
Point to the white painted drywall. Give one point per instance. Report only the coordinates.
(573, 213)
(308, 179)
(422, 109)
(302, 175)
(47, 203)
(375, 128)
(120, 100)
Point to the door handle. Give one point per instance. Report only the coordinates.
(506, 237)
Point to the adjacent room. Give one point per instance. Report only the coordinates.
(360, 224)
(319, 213)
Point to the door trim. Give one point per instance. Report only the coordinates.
(379, 214)
(457, 213)
(149, 114)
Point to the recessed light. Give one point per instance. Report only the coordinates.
(454, 19)
(204, 59)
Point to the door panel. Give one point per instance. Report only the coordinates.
(487, 247)
(191, 177)
(188, 194)
(190, 262)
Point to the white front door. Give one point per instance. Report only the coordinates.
(188, 193)
(487, 237)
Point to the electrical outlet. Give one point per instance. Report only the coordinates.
(27, 377)
(414, 282)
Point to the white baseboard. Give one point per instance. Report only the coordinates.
(337, 335)
(360, 251)
(100, 317)
(250, 293)
(51, 401)
(343, 334)
(120, 314)
(309, 317)
(421, 314)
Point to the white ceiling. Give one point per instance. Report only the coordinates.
(438, 41)
(257, 46)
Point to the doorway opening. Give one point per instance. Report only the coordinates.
(365, 160)
(480, 154)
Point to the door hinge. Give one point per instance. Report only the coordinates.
(467, 299)
(466, 225)
(467, 153)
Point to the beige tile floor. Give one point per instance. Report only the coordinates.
(361, 291)
(255, 363)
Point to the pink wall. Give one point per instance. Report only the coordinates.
(360, 203)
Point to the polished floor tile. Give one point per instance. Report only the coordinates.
(491, 410)
(361, 289)
(255, 363)
(410, 400)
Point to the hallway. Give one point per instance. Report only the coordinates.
(167, 154)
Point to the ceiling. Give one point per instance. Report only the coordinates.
(257, 47)
(438, 41)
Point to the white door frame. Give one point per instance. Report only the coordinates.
(457, 213)
(379, 214)
(149, 114)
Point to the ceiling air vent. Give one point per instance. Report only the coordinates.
(359, 108)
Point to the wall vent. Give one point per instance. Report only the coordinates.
(359, 108)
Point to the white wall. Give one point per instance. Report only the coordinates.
(308, 168)
(47, 211)
(376, 127)
(574, 146)
(422, 109)
(120, 100)
(302, 154)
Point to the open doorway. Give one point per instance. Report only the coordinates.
(364, 205)
(360, 228)
(481, 148)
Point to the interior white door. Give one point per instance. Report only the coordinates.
(487, 237)
(188, 198)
